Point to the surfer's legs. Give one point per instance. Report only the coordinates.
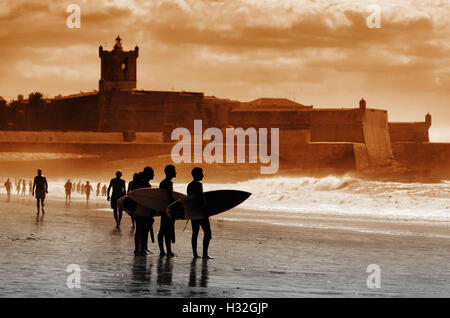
(144, 233)
(133, 222)
(195, 230)
(206, 227)
(165, 235)
(137, 236)
(38, 206)
(161, 237)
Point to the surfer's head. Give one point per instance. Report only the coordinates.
(197, 173)
(39, 172)
(118, 174)
(170, 171)
(149, 173)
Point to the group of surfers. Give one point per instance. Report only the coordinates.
(142, 217)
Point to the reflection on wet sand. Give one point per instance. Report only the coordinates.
(141, 272)
(193, 274)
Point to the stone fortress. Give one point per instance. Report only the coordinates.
(117, 117)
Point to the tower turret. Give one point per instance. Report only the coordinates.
(118, 68)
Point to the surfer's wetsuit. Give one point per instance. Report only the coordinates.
(144, 222)
(195, 190)
(166, 230)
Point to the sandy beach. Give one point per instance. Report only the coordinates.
(317, 257)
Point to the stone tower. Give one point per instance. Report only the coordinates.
(362, 104)
(118, 68)
(428, 120)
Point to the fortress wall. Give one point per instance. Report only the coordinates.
(435, 156)
(77, 113)
(376, 136)
(409, 132)
(270, 118)
(75, 137)
(152, 111)
(290, 139)
(321, 155)
(336, 125)
(362, 159)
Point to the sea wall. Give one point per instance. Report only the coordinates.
(336, 125)
(434, 156)
(76, 137)
(376, 136)
(322, 155)
(409, 132)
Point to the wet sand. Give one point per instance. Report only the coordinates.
(318, 257)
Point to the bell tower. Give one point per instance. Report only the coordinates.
(118, 68)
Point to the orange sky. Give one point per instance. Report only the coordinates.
(318, 52)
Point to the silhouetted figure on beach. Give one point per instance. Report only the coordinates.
(83, 188)
(18, 186)
(68, 189)
(104, 188)
(195, 191)
(8, 187)
(118, 190)
(166, 230)
(40, 187)
(79, 187)
(97, 191)
(87, 190)
(143, 216)
(30, 187)
(131, 188)
(24, 187)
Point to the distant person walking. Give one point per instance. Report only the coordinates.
(24, 187)
(104, 190)
(8, 187)
(30, 187)
(87, 190)
(18, 186)
(97, 192)
(68, 188)
(79, 187)
(195, 191)
(83, 188)
(40, 187)
(118, 190)
(166, 229)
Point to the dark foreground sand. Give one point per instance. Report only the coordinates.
(251, 259)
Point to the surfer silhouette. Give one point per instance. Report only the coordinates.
(8, 188)
(166, 230)
(68, 188)
(195, 191)
(143, 216)
(40, 187)
(118, 190)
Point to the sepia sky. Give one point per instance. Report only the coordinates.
(318, 52)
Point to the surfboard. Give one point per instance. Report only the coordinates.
(216, 202)
(156, 199)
